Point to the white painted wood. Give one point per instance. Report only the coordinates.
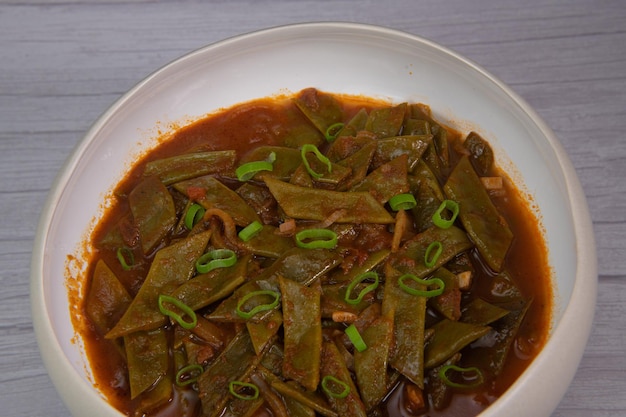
(63, 62)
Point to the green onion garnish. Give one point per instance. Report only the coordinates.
(250, 231)
(422, 293)
(234, 385)
(320, 238)
(450, 205)
(404, 201)
(175, 316)
(473, 372)
(334, 387)
(261, 307)
(218, 258)
(356, 281)
(194, 215)
(126, 258)
(355, 338)
(430, 258)
(312, 148)
(271, 158)
(333, 130)
(188, 375)
(246, 171)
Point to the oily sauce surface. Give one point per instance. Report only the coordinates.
(266, 122)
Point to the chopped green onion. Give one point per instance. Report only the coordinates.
(271, 158)
(450, 205)
(429, 260)
(422, 293)
(193, 216)
(333, 130)
(248, 170)
(356, 281)
(122, 255)
(355, 338)
(175, 316)
(474, 372)
(404, 201)
(321, 238)
(218, 258)
(250, 231)
(330, 385)
(312, 148)
(234, 385)
(188, 375)
(261, 307)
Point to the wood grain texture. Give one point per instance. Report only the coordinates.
(62, 63)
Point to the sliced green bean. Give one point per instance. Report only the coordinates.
(171, 267)
(388, 181)
(106, 299)
(217, 195)
(302, 332)
(408, 314)
(334, 368)
(147, 358)
(316, 204)
(371, 364)
(153, 212)
(235, 363)
(183, 167)
(479, 216)
(449, 338)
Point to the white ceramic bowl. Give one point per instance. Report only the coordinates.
(340, 58)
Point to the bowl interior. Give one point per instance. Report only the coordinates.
(340, 58)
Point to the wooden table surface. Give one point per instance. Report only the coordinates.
(63, 62)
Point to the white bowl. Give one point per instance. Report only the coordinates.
(340, 58)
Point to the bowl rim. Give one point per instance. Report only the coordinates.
(571, 325)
